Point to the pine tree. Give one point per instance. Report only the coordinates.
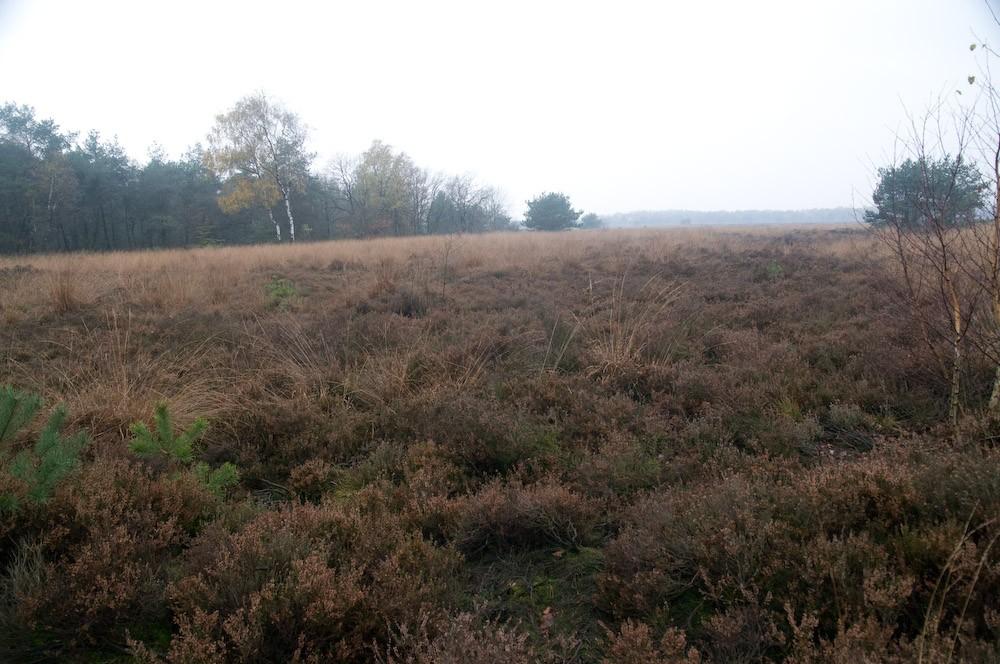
(181, 448)
(52, 458)
(162, 441)
(49, 460)
(16, 409)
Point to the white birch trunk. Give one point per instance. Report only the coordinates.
(277, 228)
(291, 219)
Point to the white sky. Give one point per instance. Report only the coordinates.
(622, 105)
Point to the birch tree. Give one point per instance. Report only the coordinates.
(945, 236)
(984, 119)
(257, 149)
(928, 219)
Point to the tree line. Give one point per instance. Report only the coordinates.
(252, 180)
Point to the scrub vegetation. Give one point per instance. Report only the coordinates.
(599, 446)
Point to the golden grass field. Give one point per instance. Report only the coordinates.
(211, 277)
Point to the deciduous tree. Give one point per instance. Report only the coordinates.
(257, 149)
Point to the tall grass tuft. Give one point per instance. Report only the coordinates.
(620, 343)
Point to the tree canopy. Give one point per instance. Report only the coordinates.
(948, 191)
(551, 212)
(258, 150)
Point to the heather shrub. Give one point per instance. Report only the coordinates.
(274, 440)
(316, 580)
(543, 461)
(383, 462)
(624, 466)
(461, 639)
(583, 416)
(479, 435)
(426, 497)
(311, 479)
(769, 537)
(633, 643)
(102, 552)
(668, 536)
(509, 515)
(779, 433)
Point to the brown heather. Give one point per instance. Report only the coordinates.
(695, 445)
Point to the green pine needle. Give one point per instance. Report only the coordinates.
(50, 459)
(181, 448)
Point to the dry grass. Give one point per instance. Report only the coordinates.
(218, 277)
(623, 341)
(579, 447)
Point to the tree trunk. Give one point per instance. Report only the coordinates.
(956, 366)
(277, 228)
(956, 373)
(994, 407)
(291, 219)
(104, 226)
(50, 206)
(993, 410)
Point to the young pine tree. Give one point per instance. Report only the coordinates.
(45, 464)
(181, 448)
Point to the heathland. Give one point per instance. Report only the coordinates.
(625, 446)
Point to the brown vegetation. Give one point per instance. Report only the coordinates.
(650, 446)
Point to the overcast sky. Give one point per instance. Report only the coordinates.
(622, 105)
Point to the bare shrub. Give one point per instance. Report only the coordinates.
(317, 580)
(460, 640)
(504, 516)
(633, 643)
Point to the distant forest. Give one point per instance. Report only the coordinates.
(644, 218)
(63, 192)
(254, 180)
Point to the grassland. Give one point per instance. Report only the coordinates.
(642, 446)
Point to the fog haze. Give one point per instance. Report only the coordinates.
(624, 106)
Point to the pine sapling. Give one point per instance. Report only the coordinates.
(17, 408)
(218, 480)
(49, 460)
(181, 448)
(162, 441)
(52, 458)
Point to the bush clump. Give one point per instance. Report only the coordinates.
(509, 515)
(317, 580)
